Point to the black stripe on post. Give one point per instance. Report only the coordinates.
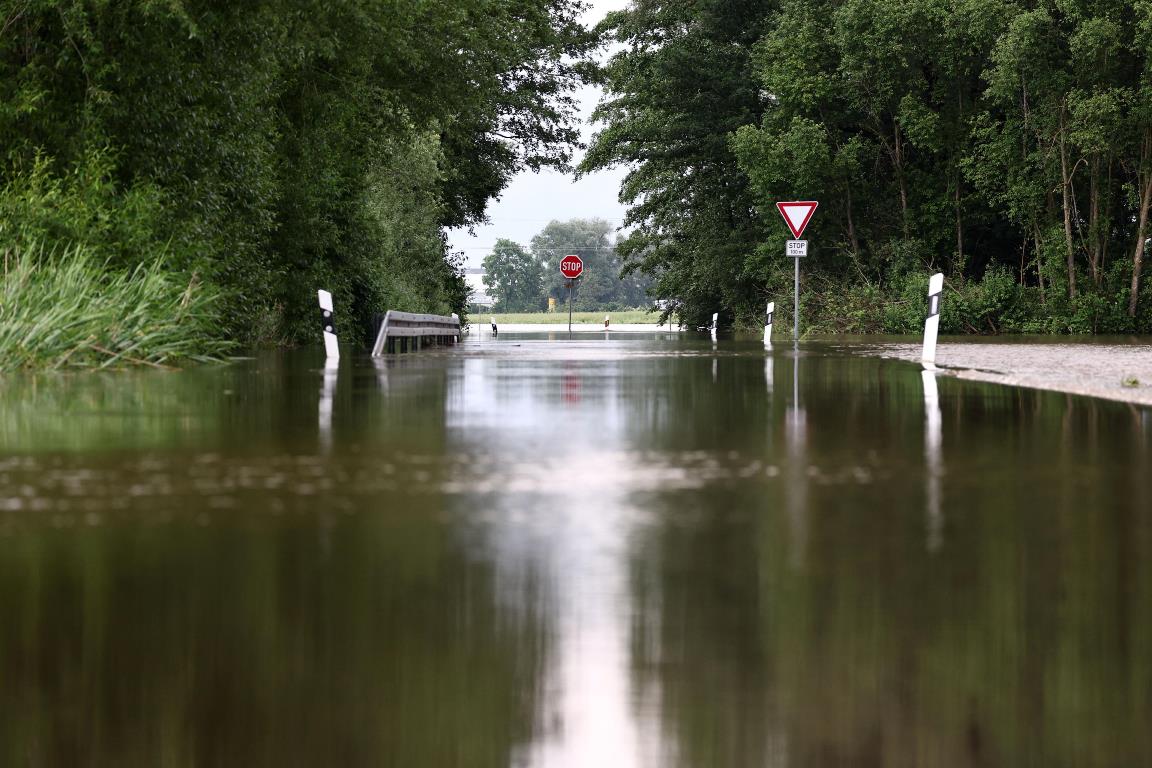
(769, 322)
(934, 305)
(327, 321)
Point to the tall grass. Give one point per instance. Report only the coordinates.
(66, 308)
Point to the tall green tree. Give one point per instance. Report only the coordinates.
(681, 82)
(514, 278)
(605, 284)
(296, 146)
(1141, 137)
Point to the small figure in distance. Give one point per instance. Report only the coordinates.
(495, 331)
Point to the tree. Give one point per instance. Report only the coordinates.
(514, 277)
(296, 149)
(680, 85)
(601, 286)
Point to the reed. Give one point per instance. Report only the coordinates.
(65, 308)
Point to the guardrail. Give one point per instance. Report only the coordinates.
(409, 331)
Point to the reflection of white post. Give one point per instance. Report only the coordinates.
(768, 323)
(933, 439)
(327, 392)
(932, 324)
(796, 433)
(327, 312)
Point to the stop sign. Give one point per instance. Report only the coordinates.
(571, 267)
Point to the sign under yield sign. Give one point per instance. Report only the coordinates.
(796, 215)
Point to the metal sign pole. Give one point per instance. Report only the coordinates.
(570, 282)
(796, 316)
(797, 214)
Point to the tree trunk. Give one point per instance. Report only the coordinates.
(1039, 262)
(1109, 207)
(1066, 188)
(1094, 221)
(899, 162)
(959, 226)
(851, 224)
(1142, 221)
(1023, 259)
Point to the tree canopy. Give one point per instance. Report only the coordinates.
(601, 286)
(1008, 144)
(286, 147)
(514, 278)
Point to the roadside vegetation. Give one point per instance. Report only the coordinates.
(524, 279)
(68, 309)
(234, 157)
(1008, 145)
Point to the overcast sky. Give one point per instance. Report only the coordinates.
(532, 200)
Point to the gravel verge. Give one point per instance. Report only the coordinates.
(1112, 371)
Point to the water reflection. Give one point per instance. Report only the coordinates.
(933, 439)
(327, 392)
(636, 552)
(250, 642)
(1018, 643)
(796, 438)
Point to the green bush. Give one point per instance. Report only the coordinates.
(89, 279)
(995, 304)
(83, 205)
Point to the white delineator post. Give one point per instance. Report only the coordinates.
(768, 322)
(932, 323)
(331, 366)
(715, 318)
(327, 312)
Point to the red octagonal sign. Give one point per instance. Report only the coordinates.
(571, 267)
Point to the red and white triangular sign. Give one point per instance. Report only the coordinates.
(797, 215)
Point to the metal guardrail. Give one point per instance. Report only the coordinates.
(409, 331)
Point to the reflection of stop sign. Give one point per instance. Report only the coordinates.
(571, 267)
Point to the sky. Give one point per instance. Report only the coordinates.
(532, 200)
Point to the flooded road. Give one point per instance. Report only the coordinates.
(636, 551)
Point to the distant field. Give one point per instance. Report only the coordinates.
(543, 318)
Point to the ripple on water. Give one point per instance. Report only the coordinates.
(356, 482)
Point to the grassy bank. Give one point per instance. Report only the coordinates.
(70, 310)
(552, 318)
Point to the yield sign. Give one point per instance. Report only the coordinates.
(797, 214)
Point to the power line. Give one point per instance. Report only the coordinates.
(550, 247)
(495, 221)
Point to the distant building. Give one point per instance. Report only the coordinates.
(478, 291)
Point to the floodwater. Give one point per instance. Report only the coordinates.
(634, 551)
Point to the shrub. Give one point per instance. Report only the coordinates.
(67, 308)
(125, 227)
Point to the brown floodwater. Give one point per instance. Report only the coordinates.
(642, 550)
